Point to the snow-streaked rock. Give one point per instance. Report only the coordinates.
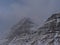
(27, 33)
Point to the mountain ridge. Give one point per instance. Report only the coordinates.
(29, 34)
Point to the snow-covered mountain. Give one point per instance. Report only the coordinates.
(28, 33)
(50, 31)
(24, 29)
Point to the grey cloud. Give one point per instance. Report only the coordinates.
(38, 10)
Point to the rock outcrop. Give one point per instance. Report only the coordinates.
(27, 33)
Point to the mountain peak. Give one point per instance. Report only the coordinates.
(24, 26)
(22, 21)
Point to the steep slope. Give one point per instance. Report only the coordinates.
(23, 28)
(50, 32)
(27, 33)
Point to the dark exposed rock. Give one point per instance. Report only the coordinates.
(26, 33)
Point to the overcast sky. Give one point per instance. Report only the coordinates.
(12, 11)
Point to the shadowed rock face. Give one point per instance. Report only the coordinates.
(27, 33)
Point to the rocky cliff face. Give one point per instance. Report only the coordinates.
(27, 33)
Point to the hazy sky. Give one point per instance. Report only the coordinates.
(11, 11)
